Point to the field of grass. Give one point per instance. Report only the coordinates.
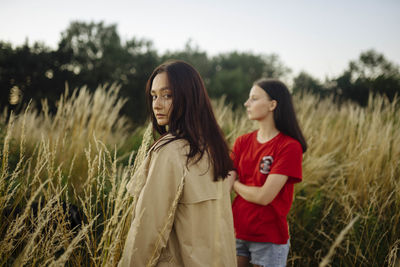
(63, 178)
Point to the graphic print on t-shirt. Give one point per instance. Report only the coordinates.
(265, 164)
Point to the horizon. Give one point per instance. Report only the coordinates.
(317, 38)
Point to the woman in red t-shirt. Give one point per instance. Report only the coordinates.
(267, 165)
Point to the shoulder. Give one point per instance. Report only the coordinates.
(246, 137)
(166, 145)
(250, 135)
(289, 143)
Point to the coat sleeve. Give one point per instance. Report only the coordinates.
(155, 210)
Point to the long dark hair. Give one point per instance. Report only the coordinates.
(192, 117)
(284, 114)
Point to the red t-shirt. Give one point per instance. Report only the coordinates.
(253, 162)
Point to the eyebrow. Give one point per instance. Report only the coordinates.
(254, 95)
(161, 89)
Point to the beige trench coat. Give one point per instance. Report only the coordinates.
(182, 217)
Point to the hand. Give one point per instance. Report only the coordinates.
(232, 177)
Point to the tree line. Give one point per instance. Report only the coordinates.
(93, 54)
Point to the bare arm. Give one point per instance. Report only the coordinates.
(262, 195)
(232, 176)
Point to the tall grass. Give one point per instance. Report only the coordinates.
(351, 169)
(62, 188)
(351, 176)
(345, 213)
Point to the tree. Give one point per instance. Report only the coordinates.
(305, 83)
(99, 56)
(96, 50)
(28, 73)
(371, 73)
(234, 73)
(140, 61)
(230, 74)
(88, 54)
(194, 56)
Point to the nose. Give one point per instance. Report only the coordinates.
(157, 103)
(246, 103)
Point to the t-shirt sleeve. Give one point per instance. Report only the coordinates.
(289, 162)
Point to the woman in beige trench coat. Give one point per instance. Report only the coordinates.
(183, 214)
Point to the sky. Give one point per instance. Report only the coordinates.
(318, 37)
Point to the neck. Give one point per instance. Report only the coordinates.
(267, 131)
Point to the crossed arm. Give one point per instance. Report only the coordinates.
(262, 195)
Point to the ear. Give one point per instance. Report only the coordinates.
(272, 105)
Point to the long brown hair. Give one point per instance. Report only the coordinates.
(284, 114)
(192, 117)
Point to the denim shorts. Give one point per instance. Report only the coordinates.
(263, 253)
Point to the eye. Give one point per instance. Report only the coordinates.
(167, 96)
(153, 97)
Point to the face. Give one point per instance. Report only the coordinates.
(162, 98)
(259, 105)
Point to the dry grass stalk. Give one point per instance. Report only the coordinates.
(79, 117)
(351, 167)
(394, 255)
(325, 261)
(72, 246)
(167, 225)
